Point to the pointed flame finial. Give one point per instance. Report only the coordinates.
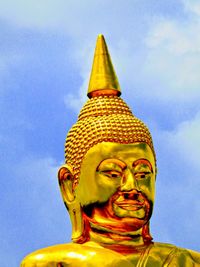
(103, 80)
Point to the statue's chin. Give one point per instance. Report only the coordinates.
(117, 224)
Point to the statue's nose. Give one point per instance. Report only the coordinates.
(129, 182)
(133, 195)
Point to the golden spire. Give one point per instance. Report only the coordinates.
(103, 80)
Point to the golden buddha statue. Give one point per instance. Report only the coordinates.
(108, 185)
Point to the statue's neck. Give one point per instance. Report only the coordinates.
(121, 242)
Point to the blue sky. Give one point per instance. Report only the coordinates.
(46, 50)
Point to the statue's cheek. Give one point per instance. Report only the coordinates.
(107, 186)
(147, 187)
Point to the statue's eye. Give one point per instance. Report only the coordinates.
(141, 175)
(112, 174)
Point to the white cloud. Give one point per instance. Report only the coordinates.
(171, 36)
(185, 140)
(76, 102)
(193, 6)
(76, 18)
(42, 14)
(174, 57)
(83, 58)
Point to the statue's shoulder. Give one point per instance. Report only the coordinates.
(175, 256)
(195, 256)
(46, 256)
(73, 254)
(94, 255)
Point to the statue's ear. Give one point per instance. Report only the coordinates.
(65, 179)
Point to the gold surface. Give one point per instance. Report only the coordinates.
(108, 186)
(103, 75)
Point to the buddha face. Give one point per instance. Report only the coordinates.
(117, 186)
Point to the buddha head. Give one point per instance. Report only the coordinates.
(108, 179)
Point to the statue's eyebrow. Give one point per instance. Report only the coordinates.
(143, 161)
(118, 162)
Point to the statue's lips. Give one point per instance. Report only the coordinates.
(130, 205)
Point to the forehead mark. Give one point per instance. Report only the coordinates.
(143, 161)
(118, 162)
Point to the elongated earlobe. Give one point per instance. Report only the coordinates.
(146, 233)
(65, 179)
